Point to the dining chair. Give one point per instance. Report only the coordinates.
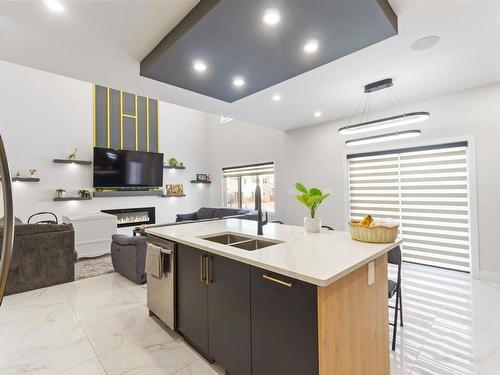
(394, 257)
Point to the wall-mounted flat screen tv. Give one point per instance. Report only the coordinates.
(123, 168)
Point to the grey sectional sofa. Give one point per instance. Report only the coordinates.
(43, 255)
(210, 213)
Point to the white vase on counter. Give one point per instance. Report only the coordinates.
(312, 225)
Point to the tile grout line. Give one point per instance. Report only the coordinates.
(123, 288)
(453, 329)
(436, 363)
(131, 342)
(402, 346)
(85, 332)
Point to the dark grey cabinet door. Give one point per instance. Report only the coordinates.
(284, 325)
(229, 314)
(192, 314)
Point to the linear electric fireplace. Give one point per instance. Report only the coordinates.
(129, 217)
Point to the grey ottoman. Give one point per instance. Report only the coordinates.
(129, 256)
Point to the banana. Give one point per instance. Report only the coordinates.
(367, 220)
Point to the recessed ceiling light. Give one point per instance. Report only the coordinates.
(276, 97)
(318, 114)
(425, 43)
(54, 5)
(238, 81)
(271, 17)
(311, 46)
(199, 66)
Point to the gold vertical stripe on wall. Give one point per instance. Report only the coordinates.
(157, 126)
(121, 119)
(136, 128)
(147, 124)
(108, 125)
(94, 128)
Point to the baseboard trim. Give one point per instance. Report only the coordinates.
(489, 276)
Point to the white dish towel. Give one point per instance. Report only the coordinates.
(153, 260)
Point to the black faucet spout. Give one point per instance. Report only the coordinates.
(258, 207)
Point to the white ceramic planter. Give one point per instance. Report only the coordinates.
(312, 225)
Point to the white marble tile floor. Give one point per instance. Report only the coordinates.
(100, 326)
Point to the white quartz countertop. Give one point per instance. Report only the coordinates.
(316, 258)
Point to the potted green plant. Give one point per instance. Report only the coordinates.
(60, 193)
(172, 162)
(311, 198)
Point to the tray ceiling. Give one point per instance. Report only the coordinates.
(232, 40)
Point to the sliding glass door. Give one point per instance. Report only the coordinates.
(426, 189)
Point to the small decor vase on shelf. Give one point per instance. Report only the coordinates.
(61, 193)
(311, 198)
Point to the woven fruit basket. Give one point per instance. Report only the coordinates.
(373, 233)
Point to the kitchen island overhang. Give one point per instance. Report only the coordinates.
(350, 303)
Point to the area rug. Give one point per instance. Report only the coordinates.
(91, 267)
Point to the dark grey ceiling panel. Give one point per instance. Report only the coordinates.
(230, 37)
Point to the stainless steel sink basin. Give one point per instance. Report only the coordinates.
(241, 241)
(253, 244)
(227, 238)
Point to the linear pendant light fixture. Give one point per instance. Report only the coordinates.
(383, 138)
(386, 122)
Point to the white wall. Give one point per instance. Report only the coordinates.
(238, 143)
(45, 116)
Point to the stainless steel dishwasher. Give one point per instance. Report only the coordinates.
(160, 291)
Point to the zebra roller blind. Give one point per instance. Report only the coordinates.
(249, 170)
(426, 189)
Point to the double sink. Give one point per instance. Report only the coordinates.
(240, 241)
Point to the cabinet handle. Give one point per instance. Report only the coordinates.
(202, 269)
(207, 264)
(281, 282)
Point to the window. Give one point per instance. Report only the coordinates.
(240, 182)
(426, 190)
(225, 120)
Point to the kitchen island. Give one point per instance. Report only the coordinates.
(287, 302)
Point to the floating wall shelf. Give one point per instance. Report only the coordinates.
(200, 182)
(69, 161)
(62, 199)
(170, 167)
(173, 196)
(132, 193)
(26, 179)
